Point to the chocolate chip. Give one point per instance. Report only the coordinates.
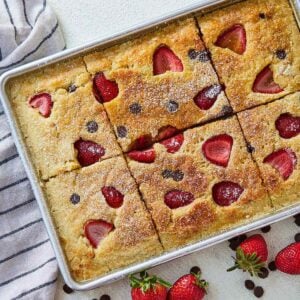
(262, 15)
(121, 131)
(281, 54)
(258, 291)
(172, 106)
(75, 198)
(178, 175)
(72, 88)
(297, 216)
(135, 108)
(204, 56)
(236, 241)
(167, 173)
(272, 266)
(105, 297)
(250, 148)
(192, 54)
(226, 111)
(91, 126)
(266, 229)
(67, 289)
(263, 273)
(249, 284)
(297, 237)
(195, 270)
(297, 221)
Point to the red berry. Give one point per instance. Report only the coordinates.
(206, 98)
(164, 59)
(112, 196)
(283, 160)
(234, 38)
(43, 102)
(217, 149)
(104, 90)
(255, 244)
(288, 259)
(287, 125)
(145, 156)
(166, 132)
(226, 192)
(143, 142)
(174, 143)
(97, 230)
(188, 287)
(88, 152)
(178, 198)
(264, 83)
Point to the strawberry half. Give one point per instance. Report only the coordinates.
(104, 90)
(287, 125)
(226, 192)
(112, 196)
(264, 83)
(144, 156)
(206, 98)
(233, 38)
(217, 149)
(88, 152)
(251, 255)
(43, 102)
(97, 230)
(143, 142)
(164, 59)
(174, 143)
(166, 132)
(283, 160)
(288, 259)
(188, 287)
(148, 287)
(177, 198)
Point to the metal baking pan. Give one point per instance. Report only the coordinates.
(196, 8)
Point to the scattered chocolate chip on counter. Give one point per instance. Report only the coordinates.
(249, 284)
(263, 273)
(105, 297)
(266, 229)
(195, 270)
(235, 242)
(272, 266)
(67, 289)
(297, 237)
(258, 291)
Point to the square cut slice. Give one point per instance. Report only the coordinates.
(68, 74)
(57, 141)
(101, 221)
(165, 82)
(273, 130)
(255, 50)
(200, 183)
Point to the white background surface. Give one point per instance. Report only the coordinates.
(86, 20)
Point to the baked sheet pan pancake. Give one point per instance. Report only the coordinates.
(192, 10)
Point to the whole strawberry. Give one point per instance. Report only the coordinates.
(288, 259)
(251, 255)
(188, 287)
(148, 287)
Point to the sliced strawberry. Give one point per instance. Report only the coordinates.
(206, 98)
(174, 143)
(145, 156)
(178, 198)
(143, 142)
(166, 132)
(283, 160)
(97, 230)
(226, 192)
(234, 38)
(88, 152)
(104, 90)
(217, 149)
(164, 59)
(288, 125)
(43, 102)
(113, 197)
(264, 82)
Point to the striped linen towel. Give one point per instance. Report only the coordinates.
(28, 269)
